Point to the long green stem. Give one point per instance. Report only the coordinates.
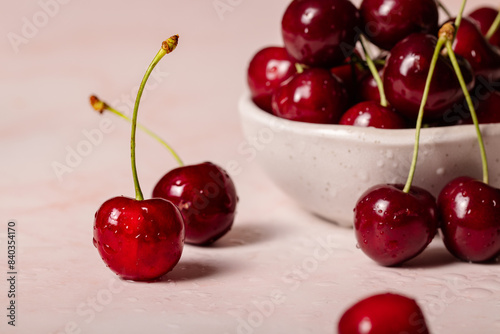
(167, 46)
(374, 72)
(458, 19)
(420, 116)
(460, 77)
(102, 106)
(494, 27)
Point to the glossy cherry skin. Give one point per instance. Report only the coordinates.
(372, 114)
(405, 74)
(206, 197)
(482, 56)
(386, 22)
(386, 313)
(486, 109)
(313, 96)
(320, 33)
(268, 68)
(139, 240)
(391, 226)
(368, 88)
(483, 17)
(470, 219)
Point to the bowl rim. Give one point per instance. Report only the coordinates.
(248, 109)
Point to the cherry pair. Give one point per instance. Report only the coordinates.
(143, 239)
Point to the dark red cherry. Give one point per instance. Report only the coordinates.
(482, 56)
(313, 96)
(206, 196)
(386, 22)
(392, 226)
(320, 33)
(406, 71)
(349, 73)
(372, 114)
(486, 109)
(386, 313)
(470, 219)
(483, 17)
(368, 89)
(139, 240)
(267, 70)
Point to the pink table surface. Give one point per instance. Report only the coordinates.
(279, 270)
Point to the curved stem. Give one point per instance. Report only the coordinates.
(445, 10)
(418, 126)
(102, 106)
(376, 76)
(460, 77)
(494, 27)
(167, 46)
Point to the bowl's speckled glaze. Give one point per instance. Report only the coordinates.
(325, 168)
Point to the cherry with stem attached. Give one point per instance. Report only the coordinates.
(469, 208)
(140, 239)
(373, 113)
(393, 222)
(204, 193)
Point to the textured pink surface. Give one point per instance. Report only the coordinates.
(280, 270)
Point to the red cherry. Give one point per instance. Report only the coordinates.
(392, 226)
(470, 214)
(386, 313)
(206, 197)
(386, 22)
(313, 96)
(139, 240)
(405, 74)
(482, 56)
(320, 33)
(267, 70)
(368, 89)
(483, 17)
(372, 114)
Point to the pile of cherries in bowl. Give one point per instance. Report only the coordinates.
(320, 75)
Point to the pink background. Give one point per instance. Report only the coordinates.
(280, 270)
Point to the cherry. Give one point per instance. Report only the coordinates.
(267, 70)
(470, 213)
(139, 240)
(386, 22)
(313, 96)
(487, 110)
(206, 196)
(484, 17)
(392, 226)
(471, 44)
(386, 313)
(320, 33)
(372, 114)
(406, 71)
(368, 89)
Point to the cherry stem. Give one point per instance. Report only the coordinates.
(376, 76)
(299, 68)
(458, 19)
(441, 41)
(167, 46)
(443, 7)
(494, 27)
(101, 106)
(460, 77)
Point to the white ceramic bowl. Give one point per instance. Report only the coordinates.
(325, 168)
